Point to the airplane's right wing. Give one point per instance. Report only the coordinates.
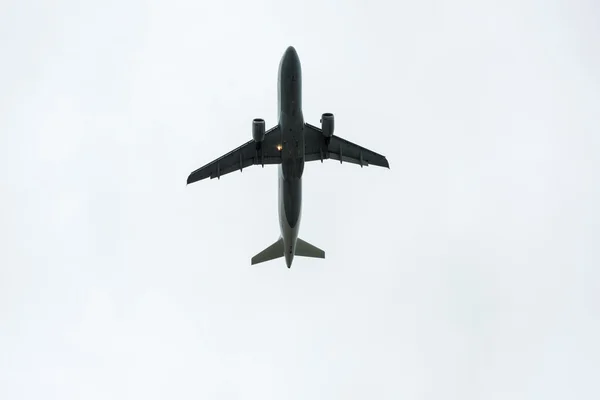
(318, 148)
(244, 156)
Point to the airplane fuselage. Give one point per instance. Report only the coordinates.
(291, 123)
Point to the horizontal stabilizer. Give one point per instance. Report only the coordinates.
(305, 249)
(270, 253)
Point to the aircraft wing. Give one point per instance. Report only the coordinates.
(317, 148)
(244, 156)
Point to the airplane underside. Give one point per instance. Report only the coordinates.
(289, 144)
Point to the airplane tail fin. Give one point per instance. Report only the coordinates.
(270, 253)
(305, 249)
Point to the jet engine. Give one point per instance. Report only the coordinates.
(327, 124)
(258, 130)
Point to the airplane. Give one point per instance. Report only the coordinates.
(290, 144)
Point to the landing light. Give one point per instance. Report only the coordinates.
(279, 147)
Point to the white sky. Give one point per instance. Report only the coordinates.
(467, 271)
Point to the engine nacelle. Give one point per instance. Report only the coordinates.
(327, 124)
(258, 130)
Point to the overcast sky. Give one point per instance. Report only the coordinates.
(469, 270)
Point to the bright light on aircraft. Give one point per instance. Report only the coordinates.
(279, 147)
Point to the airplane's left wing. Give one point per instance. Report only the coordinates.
(317, 147)
(244, 156)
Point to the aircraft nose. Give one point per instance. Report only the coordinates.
(291, 54)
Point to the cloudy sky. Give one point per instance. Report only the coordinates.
(469, 270)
